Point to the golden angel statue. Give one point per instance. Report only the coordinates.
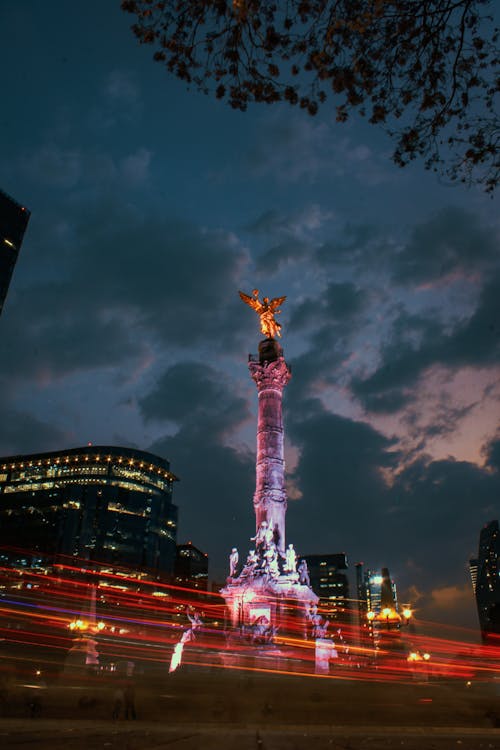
(266, 310)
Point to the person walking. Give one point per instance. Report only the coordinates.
(130, 701)
(119, 699)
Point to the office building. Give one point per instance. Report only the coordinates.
(13, 222)
(85, 506)
(191, 567)
(485, 572)
(329, 581)
(378, 608)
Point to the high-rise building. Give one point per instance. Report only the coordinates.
(13, 222)
(329, 581)
(97, 504)
(191, 567)
(378, 607)
(485, 569)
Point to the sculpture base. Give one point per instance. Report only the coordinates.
(262, 607)
(269, 350)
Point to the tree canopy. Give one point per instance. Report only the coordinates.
(426, 70)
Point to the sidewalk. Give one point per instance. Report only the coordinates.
(50, 734)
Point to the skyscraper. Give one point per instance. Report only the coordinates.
(378, 607)
(13, 222)
(329, 581)
(96, 504)
(191, 567)
(485, 570)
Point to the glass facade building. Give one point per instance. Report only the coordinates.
(97, 504)
(485, 574)
(13, 222)
(329, 581)
(378, 608)
(191, 567)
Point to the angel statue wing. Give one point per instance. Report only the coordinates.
(276, 302)
(253, 301)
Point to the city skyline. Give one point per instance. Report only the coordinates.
(151, 206)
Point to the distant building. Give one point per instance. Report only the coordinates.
(97, 504)
(191, 567)
(13, 222)
(485, 574)
(473, 567)
(329, 581)
(378, 606)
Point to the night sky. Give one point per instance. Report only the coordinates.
(152, 205)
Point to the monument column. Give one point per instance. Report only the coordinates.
(261, 597)
(271, 374)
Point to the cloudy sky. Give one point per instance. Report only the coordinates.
(151, 207)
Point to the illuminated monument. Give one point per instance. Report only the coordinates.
(270, 588)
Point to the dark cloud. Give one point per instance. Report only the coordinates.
(340, 302)
(423, 523)
(180, 279)
(331, 321)
(24, 433)
(359, 245)
(291, 237)
(339, 475)
(446, 417)
(198, 397)
(288, 251)
(452, 243)
(473, 342)
(214, 494)
(453, 240)
(103, 296)
(441, 507)
(54, 329)
(492, 452)
(217, 479)
(387, 401)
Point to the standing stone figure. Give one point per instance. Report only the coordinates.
(263, 538)
(291, 559)
(233, 562)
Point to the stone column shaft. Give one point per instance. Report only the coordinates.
(270, 376)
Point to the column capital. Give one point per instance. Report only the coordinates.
(275, 374)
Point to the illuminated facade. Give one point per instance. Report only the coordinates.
(485, 573)
(329, 581)
(98, 503)
(13, 222)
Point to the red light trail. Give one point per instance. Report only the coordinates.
(132, 619)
